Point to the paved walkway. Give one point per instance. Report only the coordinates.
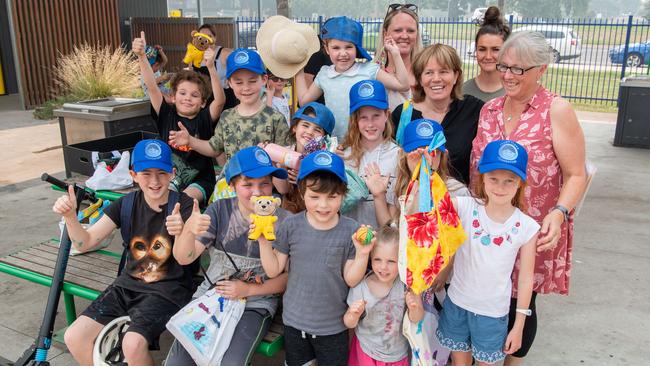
(604, 321)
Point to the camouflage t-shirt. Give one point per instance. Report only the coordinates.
(235, 132)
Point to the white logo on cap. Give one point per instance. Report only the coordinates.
(508, 152)
(261, 157)
(152, 151)
(241, 57)
(424, 130)
(366, 90)
(323, 159)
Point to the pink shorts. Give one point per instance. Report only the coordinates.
(359, 358)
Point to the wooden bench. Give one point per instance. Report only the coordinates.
(87, 275)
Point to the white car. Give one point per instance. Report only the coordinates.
(564, 42)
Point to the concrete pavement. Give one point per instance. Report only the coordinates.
(604, 321)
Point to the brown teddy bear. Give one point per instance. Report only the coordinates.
(196, 48)
(263, 218)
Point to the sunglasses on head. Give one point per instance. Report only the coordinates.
(394, 7)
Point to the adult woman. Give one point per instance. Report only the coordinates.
(402, 24)
(220, 62)
(489, 40)
(546, 125)
(438, 95)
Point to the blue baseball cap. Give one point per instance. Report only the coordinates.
(420, 133)
(346, 29)
(252, 162)
(243, 58)
(368, 93)
(322, 161)
(506, 155)
(149, 154)
(323, 116)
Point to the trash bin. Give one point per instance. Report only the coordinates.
(95, 119)
(633, 125)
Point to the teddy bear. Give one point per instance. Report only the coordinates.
(264, 207)
(196, 48)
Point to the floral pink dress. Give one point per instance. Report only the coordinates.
(544, 178)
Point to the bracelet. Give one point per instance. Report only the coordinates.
(564, 210)
(526, 312)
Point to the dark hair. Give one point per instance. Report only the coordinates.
(322, 181)
(192, 77)
(208, 27)
(493, 23)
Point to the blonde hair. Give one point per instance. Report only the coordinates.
(445, 56)
(404, 173)
(387, 235)
(384, 28)
(353, 136)
(518, 200)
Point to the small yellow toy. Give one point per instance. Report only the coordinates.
(263, 218)
(196, 48)
(364, 235)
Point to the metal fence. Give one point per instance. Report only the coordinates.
(591, 55)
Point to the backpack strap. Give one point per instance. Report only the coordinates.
(126, 218)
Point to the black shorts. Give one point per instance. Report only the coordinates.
(530, 325)
(301, 348)
(149, 312)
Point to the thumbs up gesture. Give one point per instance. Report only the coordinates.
(180, 137)
(174, 221)
(138, 45)
(198, 223)
(66, 205)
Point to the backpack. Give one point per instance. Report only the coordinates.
(126, 214)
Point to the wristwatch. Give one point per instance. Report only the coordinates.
(526, 312)
(564, 210)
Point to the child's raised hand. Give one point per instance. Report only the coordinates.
(357, 308)
(377, 183)
(174, 222)
(209, 56)
(198, 223)
(180, 137)
(390, 45)
(364, 249)
(513, 341)
(413, 301)
(66, 205)
(292, 176)
(340, 151)
(138, 45)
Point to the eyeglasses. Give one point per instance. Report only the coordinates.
(394, 7)
(276, 78)
(513, 69)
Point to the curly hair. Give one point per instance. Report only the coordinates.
(192, 77)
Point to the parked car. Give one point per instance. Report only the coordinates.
(638, 54)
(565, 43)
(478, 15)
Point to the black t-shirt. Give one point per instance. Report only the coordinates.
(150, 263)
(316, 61)
(460, 124)
(199, 127)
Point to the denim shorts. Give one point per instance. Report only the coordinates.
(462, 330)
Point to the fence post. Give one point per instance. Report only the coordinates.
(627, 45)
(320, 24)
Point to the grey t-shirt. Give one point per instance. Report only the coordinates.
(380, 330)
(314, 301)
(470, 87)
(229, 227)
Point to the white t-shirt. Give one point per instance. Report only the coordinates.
(483, 264)
(385, 155)
(281, 104)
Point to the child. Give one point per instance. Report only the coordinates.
(343, 39)
(371, 153)
(188, 115)
(223, 231)
(475, 312)
(247, 124)
(380, 298)
(158, 59)
(154, 285)
(275, 96)
(310, 122)
(325, 261)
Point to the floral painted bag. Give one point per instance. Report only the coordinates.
(430, 229)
